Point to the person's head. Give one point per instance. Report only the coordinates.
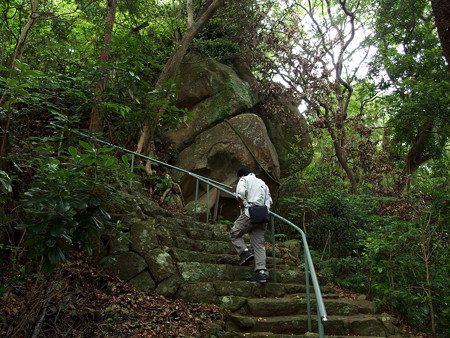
(244, 171)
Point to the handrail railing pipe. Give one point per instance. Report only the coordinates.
(308, 292)
(202, 178)
(207, 203)
(321, 312)
(274, 256)
(309, 267)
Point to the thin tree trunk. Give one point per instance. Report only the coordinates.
(18, 51)
(430, 296)
(343, 161)
(441, 11)
(190, 13)
(17, 55)
(23, 38)
(426, 256)
(146, 141)
(96, 119)
(416, 155)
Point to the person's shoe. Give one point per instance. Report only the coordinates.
(260, 278)
(245, 257)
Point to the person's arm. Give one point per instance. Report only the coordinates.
(268, 201)
(241, 192)
(240, 201)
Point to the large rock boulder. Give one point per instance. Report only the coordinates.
(232, 126)
(218, 152)
(213, 91)
(288, 131)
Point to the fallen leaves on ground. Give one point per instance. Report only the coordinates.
(80, 299)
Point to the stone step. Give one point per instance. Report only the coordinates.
(180, 221)
(293, 305)
(215, 247)
(205, 272)
(182, 255)
(360, 325)
(185, 223)
(206, 246)
(192, 272)
(224, 292)
(202, 234)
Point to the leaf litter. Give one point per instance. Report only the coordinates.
(80, 299)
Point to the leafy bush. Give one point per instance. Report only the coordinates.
(68, 199)
(402, 265)
(332, 219)
(5, 186)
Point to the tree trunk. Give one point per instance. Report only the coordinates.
(21, 42)
(342, 159)
(96, 119)
(190, 13)
(18, 51)
(146, 141)
(441, 11)
(344, 163)
(17, 55)
(416, 155)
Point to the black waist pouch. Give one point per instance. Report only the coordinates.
(259, 214)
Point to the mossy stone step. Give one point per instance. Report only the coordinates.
(229, 293)
(207, 246)
(210, 242)
(200, 234)
(192, 272)
(292, 305)
(360, 325)
(207, 272)
(182, 255)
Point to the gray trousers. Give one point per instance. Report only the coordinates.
(243, 226)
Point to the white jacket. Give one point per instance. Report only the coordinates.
(253, 191)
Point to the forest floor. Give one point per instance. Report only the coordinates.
(80, 299)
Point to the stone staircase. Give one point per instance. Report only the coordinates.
(210, 273)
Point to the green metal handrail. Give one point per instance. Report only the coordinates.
(198, 178)
(309, 269)
(309, 266)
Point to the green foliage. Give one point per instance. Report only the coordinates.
(393, 249)
(333, 219)
(299, 157)
(402, 265)
(34, 95)
(67, 202)
(5, 186)
(17, 87)
(160, 182)
(417, 78)
(213, 41)
(131, 100)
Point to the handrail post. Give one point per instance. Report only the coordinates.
(197, 183)
(132, 163)
(131, 169)
(308, 296)
(320, 324)
(207, 203)
(274, 267)
(60, 141)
